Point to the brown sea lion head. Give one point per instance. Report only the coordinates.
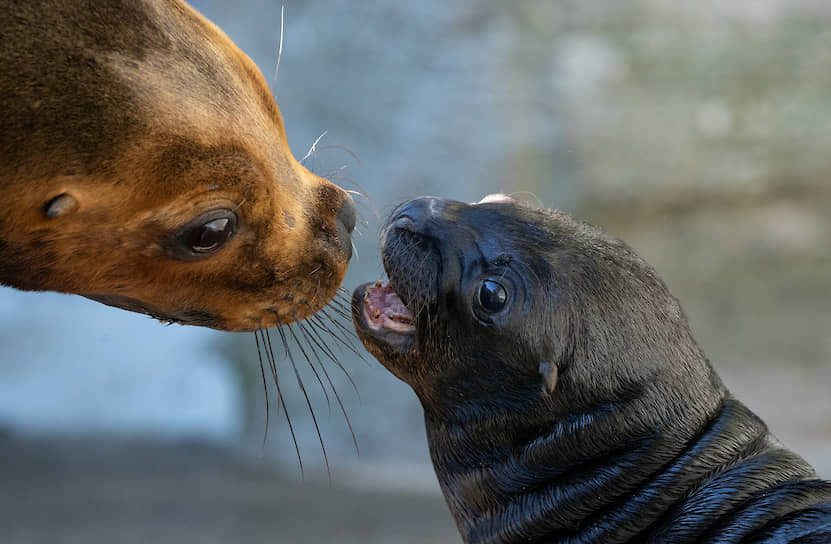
(144, 164)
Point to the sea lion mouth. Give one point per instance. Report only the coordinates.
(382, 318)
(384, 310)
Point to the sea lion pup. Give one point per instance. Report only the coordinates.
(144, 164)
(565, 398)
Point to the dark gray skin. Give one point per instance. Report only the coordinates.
(565, 398)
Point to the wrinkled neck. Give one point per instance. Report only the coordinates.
(543, 471)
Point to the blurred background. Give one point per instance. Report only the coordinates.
(697, 132)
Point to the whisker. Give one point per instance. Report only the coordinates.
(337, 172)
(342, 306)
(363, 192)
(344, 149)
(310, 339)
(344, 341)
(265, 390)
(336, 322)
(306, 396)
(283, 400)
(280, 50)
(308, 360)
(529, 194)
(340, 310)
(322, 344)
(320, 313)
(343, 295)
(316, 328)
(269, 356)
(312, 150)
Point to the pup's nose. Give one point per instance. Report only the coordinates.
(415, 214)
(346, 224)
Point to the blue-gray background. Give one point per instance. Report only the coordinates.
(698, 132)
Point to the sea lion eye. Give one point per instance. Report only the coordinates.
(491, 296)
(210, 232)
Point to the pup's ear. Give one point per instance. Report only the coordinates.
(548, 372)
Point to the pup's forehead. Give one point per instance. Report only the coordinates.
(499, 213)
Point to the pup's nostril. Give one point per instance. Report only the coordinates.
(414, 214)
(404, 222)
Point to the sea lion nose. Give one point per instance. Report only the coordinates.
(346, 224)
(346, 215)
(415, 214)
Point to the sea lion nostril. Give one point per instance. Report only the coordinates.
(346, 215)
(414, 214)
(404, 222)
(345, 224)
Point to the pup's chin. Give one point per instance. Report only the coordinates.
(384, 324)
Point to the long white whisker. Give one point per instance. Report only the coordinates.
(280, 49)
(313, 149)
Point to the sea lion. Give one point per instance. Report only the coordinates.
(144, 164)
(565, 398)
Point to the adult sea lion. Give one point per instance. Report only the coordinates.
(565, 398)
(144, 164)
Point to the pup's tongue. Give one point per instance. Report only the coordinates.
(384, 310)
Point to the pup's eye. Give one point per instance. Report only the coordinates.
(210, 232)
(491, 296)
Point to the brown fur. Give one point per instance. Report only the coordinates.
(148, 115)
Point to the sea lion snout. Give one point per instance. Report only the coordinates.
(414, 213)
(417, 216)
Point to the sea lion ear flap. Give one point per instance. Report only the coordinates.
(549, 372)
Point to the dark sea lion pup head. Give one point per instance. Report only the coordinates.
(496, 305)
(565, 398)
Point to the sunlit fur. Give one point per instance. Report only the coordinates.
(147, 116)
(638, 442)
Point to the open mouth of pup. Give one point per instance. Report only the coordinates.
(379, 313)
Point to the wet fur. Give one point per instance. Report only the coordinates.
(639, 440)
(148, 115)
